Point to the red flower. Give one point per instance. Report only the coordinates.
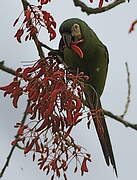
(44, 1)
(15, 91)
(132, 26)
(84, 167)
(30, 146)
(18, 34)
(100, 3)
(28, 15)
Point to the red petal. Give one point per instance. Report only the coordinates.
(132, 26)
(77, 50)
(44, 2)
(58, 74)
(52, 34)
(21, 129)
(100, 3)
(69, 118)
(43, 125)
(84, 165)
(26, 72)
(78, 104)
(29, 147)
(27, 14)
(55, 93)
(18, 35)
(16, 94)
(15, 141)
(10, 86)
(76, 116)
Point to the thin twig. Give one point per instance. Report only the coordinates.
(6, 69)
(89, 10)
(13, 147)
(45, 46)
(120, 119)
(129, 91)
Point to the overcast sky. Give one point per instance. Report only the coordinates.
(112, 28)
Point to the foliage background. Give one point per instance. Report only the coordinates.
(112, 28)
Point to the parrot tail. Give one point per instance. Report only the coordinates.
(93, 102)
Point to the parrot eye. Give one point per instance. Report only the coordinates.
(76, 26)
(76, 31)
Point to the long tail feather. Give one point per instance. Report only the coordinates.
(94, 104)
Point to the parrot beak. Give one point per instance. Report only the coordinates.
(67, 38)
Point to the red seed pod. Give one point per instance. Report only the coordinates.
(43, 162)
(21, 129)
(100, 3)
(43, 125)
(26, 72)
(29, 147)
(37, 147)
(58, 74)
(28, 15)
(29, 110)
(15, 141)
(69, 118)
(44, 2)
(10, 86)
(76, 116)
(16, 94)
(18, 34)
(52, 34)
(84, 166)
(55, 93)
(78, 104)
(53, 164)
(18, 70)
(132, 26)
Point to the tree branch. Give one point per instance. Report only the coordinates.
(6, 69)
(89, 10)
(120, 119)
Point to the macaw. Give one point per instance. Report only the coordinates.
(83, 51)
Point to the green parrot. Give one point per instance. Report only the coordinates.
(82, 51)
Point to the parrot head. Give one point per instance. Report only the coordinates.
(72, 32)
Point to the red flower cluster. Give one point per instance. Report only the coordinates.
(56, 106)
(14, 90)
(34, 19)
